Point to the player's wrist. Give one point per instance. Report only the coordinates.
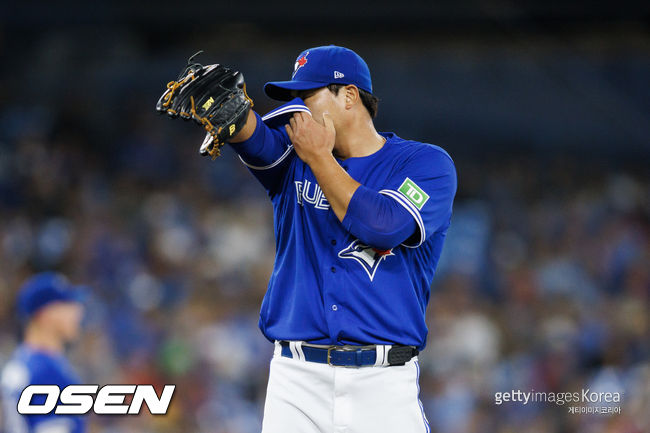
(247, 130)
(320, 159)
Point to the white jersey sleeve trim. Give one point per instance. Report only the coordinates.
(284, 110)
(273, 164)
(399, 198)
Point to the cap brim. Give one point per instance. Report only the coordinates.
(281, 90)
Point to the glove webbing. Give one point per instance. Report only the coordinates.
(173, 86)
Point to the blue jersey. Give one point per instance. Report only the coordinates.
(327, 287)
(29, 366)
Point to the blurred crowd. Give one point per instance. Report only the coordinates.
(545, 287)
(544, 283)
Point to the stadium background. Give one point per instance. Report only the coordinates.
(544, 282)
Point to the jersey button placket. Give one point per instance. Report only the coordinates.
(331, 297)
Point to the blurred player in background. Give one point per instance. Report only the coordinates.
(50, 311)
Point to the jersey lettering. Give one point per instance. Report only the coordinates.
(310, 192)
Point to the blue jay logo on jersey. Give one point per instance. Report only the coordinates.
(367, 256)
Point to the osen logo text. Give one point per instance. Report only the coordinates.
(107, 400)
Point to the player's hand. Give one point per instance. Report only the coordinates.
(311, 140)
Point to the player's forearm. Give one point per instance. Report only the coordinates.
(263, 146)
(336, 184)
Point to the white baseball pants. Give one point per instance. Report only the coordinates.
(308, 397)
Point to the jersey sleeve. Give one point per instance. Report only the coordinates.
(425, 185)
(377, 220)
(267, 154)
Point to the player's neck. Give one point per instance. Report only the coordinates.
(44, 339)
(358, 140)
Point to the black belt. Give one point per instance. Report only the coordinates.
(351, 356)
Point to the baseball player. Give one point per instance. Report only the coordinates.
(360, 218)
(51, 312)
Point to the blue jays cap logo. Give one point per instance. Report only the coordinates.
(300, 62)
(367, 256)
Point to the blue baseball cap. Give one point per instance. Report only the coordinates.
(43, 289)
(320, 66)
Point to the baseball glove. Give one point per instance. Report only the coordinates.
(214, 96)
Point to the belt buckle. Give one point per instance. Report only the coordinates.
(342, 349)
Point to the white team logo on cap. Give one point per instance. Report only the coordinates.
(338, 75)
(367, 256)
